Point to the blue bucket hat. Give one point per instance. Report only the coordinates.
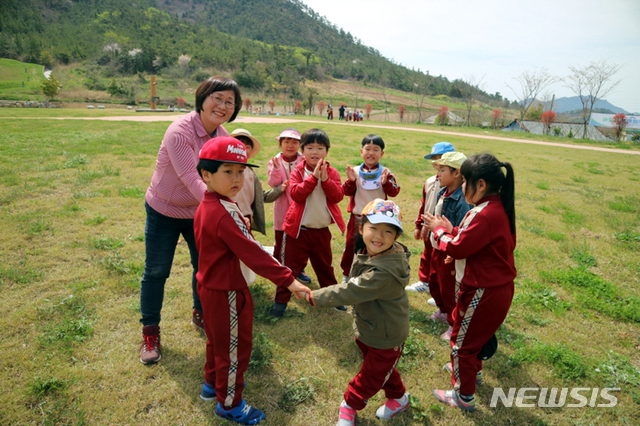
(439, 149)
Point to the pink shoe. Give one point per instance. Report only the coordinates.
(452, 399)
(439, 316)
(447, 334)
(347, 415)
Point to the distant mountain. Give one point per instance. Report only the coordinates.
(562, 105)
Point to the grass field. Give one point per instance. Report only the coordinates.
(72, 208)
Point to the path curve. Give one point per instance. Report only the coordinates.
(279, 120)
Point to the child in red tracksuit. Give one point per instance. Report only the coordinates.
(316, 190)
(365, 183)
(483, 248)
(429, 192)
(228, 257)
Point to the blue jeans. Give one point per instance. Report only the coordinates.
(161, 235)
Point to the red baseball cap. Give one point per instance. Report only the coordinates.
(226, 149)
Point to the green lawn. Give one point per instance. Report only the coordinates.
(72, 253)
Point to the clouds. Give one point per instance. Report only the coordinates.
(499, 39)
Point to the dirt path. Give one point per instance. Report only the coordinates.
(278, 120)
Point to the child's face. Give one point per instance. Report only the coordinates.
(290, 147)
(371, 154)
(434, 158)
(314, 152)
(227, 181)
(472, 196)
(378, 237)
(248, 146)
(449, 177)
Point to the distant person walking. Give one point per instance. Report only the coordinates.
(172, 198)
(341, 111)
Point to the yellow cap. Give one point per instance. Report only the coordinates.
(451, 159)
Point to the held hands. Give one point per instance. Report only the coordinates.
(448, 260)
(351, 174)
(432, 222)
(284, 185)
(299, 290)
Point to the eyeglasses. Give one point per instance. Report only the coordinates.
(220, 102)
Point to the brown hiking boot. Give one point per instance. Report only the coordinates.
(197, 321)
(150, 349)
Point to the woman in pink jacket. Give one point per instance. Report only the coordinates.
(172, 199)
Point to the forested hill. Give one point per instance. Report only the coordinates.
(266, 44)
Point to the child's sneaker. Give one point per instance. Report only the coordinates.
(419, 287)
(150, 350)
(432, 302)
(243, 414)
(447, 334)
(277, 310)
(393, 407)
(453, 399)
(438, 315)
(448, 367)
(345, 279)
(208, 392)
(341, 308)
(304, 278)
(347, 415)
(197, 321)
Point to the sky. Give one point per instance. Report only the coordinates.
(495, 41)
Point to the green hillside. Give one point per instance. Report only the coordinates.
(267, 45)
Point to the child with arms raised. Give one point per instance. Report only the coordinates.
(376, 288)
(316, 190)
(482, 247)
(365, 183)
(228, 257)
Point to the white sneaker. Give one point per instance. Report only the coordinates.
(347, 415)
(393, 407)
(345, 279)
(432, 302)
(418, 287)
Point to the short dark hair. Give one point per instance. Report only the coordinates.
(374, 139)
(211, 166)
(315, 135)
(218, 84)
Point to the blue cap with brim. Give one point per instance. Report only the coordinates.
(439, 149)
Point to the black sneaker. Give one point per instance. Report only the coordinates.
(277, 310)
(341, 308)
(303, 278)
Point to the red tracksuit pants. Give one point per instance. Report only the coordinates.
(425, 262)
(228, 324)
(442, 283)
(477, 316)
(350, 244)
(311, 245)
(378, 371)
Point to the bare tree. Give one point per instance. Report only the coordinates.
(356, 88)
(473, 87)
(421, 91)
(532, 83)
(591, 84)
